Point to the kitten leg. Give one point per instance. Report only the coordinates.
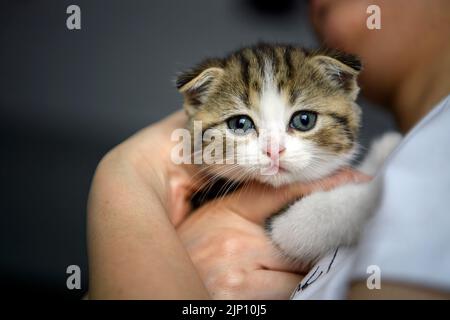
(312, 226)
(379, 150)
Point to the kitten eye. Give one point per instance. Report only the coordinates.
(240, 124)
(303, 120)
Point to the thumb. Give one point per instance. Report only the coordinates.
(257, 202)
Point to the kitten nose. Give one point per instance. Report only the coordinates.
(273, 151)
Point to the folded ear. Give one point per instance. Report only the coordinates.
(196, 84)
(341, 69)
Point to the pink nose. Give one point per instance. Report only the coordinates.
(273, 152)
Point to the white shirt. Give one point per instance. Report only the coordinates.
(408, 237)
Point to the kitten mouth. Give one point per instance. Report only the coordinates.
(274, 170)
(281, 169)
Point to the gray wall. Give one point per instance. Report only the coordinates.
(69, 96)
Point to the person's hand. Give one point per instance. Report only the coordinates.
(227, 244)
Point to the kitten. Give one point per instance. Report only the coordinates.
(290, 115)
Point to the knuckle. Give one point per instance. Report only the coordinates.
(229, 282)
(230, 245)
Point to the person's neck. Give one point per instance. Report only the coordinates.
(422, 89)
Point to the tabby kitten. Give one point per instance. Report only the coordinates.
(290, 115)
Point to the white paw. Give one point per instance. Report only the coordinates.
(286, 236)
(311, 227)
(387, 143)
(300, 232)
(379, 150)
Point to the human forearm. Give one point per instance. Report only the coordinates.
(134, 251)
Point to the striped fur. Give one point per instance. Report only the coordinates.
(284, 78)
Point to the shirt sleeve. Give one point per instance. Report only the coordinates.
(408, 237)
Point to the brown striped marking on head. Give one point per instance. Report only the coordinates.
(277, 89)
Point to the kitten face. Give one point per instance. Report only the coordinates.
(289, 114)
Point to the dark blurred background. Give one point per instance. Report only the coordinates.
(67, 97)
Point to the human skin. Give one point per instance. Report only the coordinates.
(134, 248)
(406, 69)
(138, 198)
(406, 63)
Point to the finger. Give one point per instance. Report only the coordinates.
(270, 285)
(343, 176)
(257, 201)
(186, 181)
(273, 259)
(179, 204)
(267, 256)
